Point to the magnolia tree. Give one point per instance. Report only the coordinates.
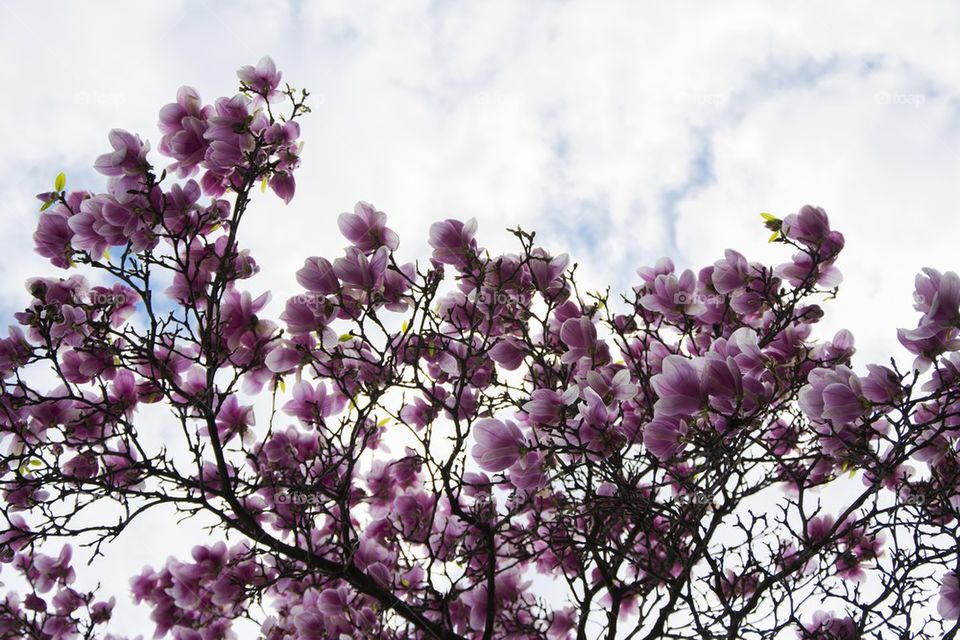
(465, 446)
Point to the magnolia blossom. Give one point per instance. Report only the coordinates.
(183, 124)
(453, 242)
(663, 436)
(811, 227)
(673, 296)
(263, 78)
(312, 405)
(127, 158)
(937, 296)
(367, 228)
(948, 605)
(835, 395)
(678, 388)
(580, 337)
(499, 444)
(827, 626)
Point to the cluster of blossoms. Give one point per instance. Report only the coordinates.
(235, 143)
(937, 297)
(468, 446)
(201, 595)
(52, 609)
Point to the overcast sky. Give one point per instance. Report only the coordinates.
(619, 131)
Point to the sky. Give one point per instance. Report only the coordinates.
(618, 131)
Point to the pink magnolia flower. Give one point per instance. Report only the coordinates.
(804, 269)
(14, 352)
(826, 626)
(102, 611)
(724, 385)
(507, 588)
(415, 510)
(52, 571)
(731, 273)
(593, 411)
(396, 285)
(678, 388)
(663, 436)
(882, 384)
(564, 621)
(67, 601)
(948, 605)
(528, 474)
(674, 296)
(613, 385)
(937, 296)
(580, 337)
(317, 276)
(811, 227)
(263, 79)
(83, 466)
(367, 228)
(927, 342)
(546, 270)
(358, 270)
(307, 313)
(234, 418)
(498, 444)
(123, 392)
(313, 405)
(129, 155)
(122, 468)
(86, 227)
(508, 353)
(53, 237)
(18, 535)
(230, 137)
(239, 316)
(284, 185)
(420, 413)
(835, 395)
(72, 326)
(294, 353)
(818, 528)
(664, 266)
(119, 301)
(453, 242)
(546, 405)
(183, 124)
